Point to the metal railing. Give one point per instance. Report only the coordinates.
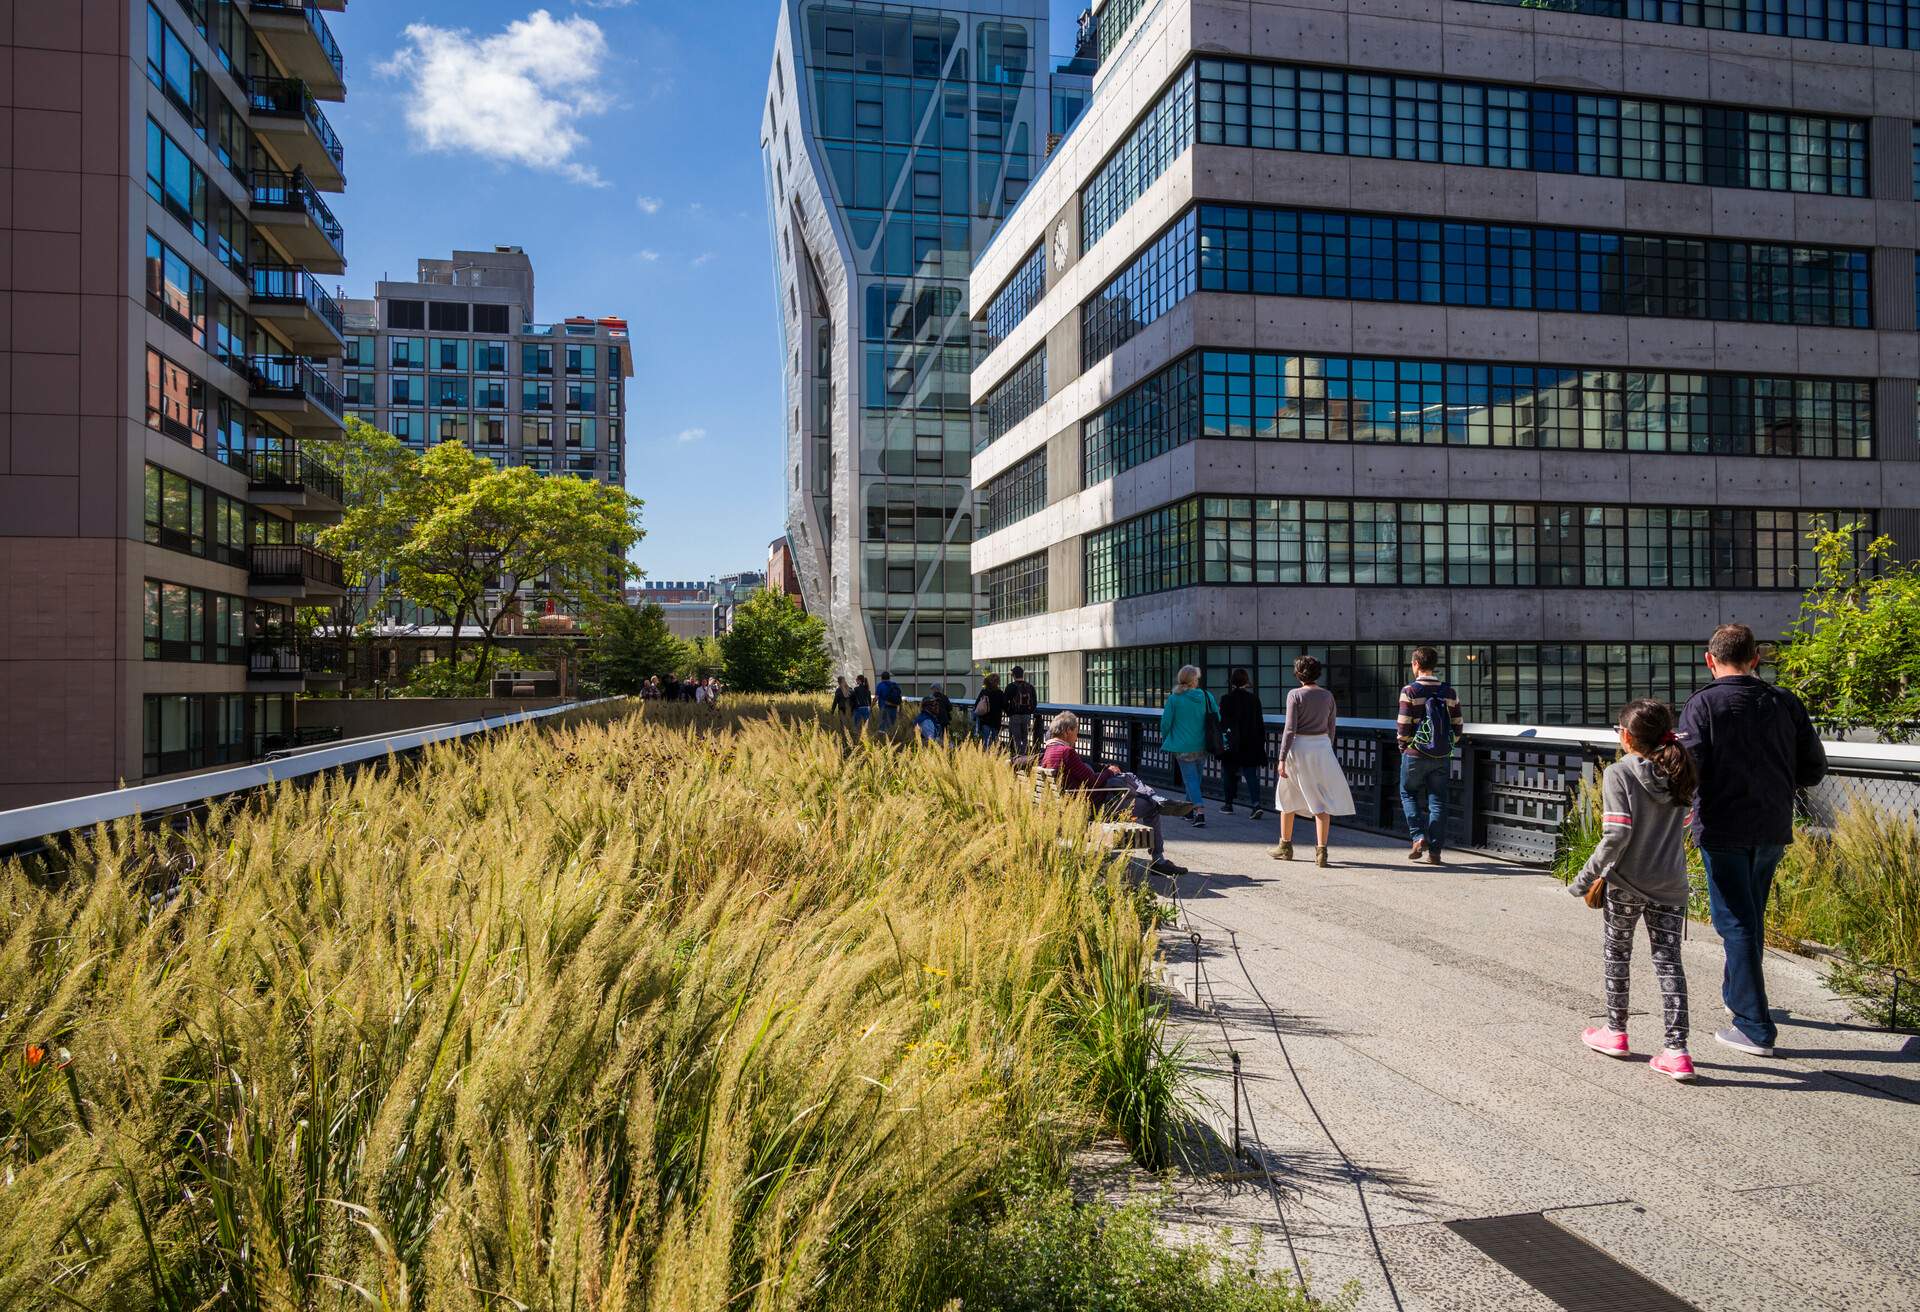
(289, 284)
(35, 828)
(316, 22)
(284, 467)
(291, 377)
(1512, 785)
(274, 658)
(288, 97)
(270, 563)
(293, 194)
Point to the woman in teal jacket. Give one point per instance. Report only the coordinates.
(1183, 734)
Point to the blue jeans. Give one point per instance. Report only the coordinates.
(888, 714)
(1249, 775)
(1190, 776)
(1738, 881)
(986, 731)
(861, 714)
(1423, 796)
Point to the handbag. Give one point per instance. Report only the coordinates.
(1596, 894)
(1216, 739)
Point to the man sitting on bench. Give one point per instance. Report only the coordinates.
(1111, 790)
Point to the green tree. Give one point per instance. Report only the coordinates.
(475, 530)
(703, 658)
(1854, 654)
(631, 644)
(371, 464)
(774, 646)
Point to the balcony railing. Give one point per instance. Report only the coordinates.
(284, 467)
(291, 285)
(288, 377)
(288, 97)
(286, 740)
(315, 21)
(292, 193)
(274, 658)
(290, 563)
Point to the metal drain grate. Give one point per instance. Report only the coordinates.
(1565, 1267)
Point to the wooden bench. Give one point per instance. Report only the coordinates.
(1115, 835)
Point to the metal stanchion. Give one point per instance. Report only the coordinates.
(1195, 937)
(1238, 1153)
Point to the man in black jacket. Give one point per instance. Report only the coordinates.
(1022, 701)
(1755, 747)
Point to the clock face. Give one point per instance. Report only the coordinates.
(1062, 244)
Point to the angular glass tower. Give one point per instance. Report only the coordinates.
(895, 140)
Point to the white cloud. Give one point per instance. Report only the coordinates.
(689, 435)
(515, 96)
(648, 204)
(646, 256)
(702, 259)
(607, 4)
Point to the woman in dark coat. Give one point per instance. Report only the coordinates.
(1243, 723)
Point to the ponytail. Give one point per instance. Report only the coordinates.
(1649, 726)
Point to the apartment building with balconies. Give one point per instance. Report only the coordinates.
(1542, 333)
(162, 462)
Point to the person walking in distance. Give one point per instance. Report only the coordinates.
(1189, 719)
(937, 707)
(842, 696)
(1311, 781)
(1754, 746)
(860, 701)
(1429, 728)
(1021, 704)
(887, 697)
(1243, 722)
(1641, 867)
(988, 709)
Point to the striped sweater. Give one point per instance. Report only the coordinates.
(1413, 708)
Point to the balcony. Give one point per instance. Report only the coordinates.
(293, 740)
(288, 572)
(284, 476)
(296, 34)
(280, 663)
(299, 309)
(294, 390)
(286, 116)
(288, 210)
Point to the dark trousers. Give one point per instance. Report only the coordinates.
(1738, 882)
(1249, 775)
(1423, 796)
(1125, 794)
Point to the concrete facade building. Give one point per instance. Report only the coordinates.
(1545, 337)
(167, 237)
(894, 138)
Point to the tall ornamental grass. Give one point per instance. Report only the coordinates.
(631, 1015)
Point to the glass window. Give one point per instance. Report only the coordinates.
(406, 353)
(1019, 492)
(448, 353)
(1012, 591)
(1023, 391)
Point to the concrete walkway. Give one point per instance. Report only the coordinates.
(1410, 1047)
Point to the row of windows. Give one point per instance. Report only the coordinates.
(1014, 590)
(456, 354)
(420, 428)
(1274, 540)
(178, 184)
(186, 408)
(918, 512)
(1316, 398)
(449, 316)
(1113, 22)
(1889, 23)
(1021, 393)
(1012, 302)
(172, 68)
(458, 391)
(193, 624)
(1336, 112)
(1160, 137)
(1033, 668)
(1283, 252)
(1571, 684)
(182, 515)
(1012, 496)
(924, 180)
(191, 731)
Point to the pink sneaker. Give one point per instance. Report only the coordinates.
(1608, 1043)
(1677, 1065)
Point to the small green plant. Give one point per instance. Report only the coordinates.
(1047, 1253)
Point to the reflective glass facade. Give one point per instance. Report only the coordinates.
(1269, 396)
(1503, 683)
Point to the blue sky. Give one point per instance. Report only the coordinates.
(617, 141)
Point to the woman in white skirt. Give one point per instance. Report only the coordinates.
(1311, 781)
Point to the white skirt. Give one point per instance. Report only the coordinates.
(1314, 783)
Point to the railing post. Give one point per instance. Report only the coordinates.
(1136, 743)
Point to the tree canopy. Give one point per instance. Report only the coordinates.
(1854, 654)
(774, 646)
(631, 644)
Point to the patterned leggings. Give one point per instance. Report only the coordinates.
(1664, 923)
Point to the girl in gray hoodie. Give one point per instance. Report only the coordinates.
(1645, 796)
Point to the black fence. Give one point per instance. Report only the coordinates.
(1512, 785)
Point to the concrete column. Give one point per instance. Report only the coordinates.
(1064, 465)
(1066, 586)
(1890, 159)
(1067, 677)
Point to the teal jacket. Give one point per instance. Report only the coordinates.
(1183, 723)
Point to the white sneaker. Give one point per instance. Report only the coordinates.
(1741, 1043)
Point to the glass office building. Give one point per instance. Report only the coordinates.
(895, 139)
(1533, 332)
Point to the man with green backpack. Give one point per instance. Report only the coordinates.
(1429, 729)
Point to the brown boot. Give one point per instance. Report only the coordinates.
(1320, 857)
(1284, 852)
